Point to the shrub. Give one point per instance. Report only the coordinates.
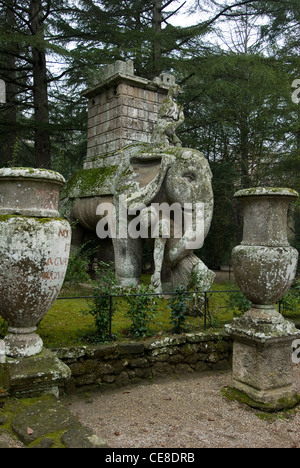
(237, 303)
(103, 306)
(291, 301)
(179, 305)
(78, 265)
(142, 308)
(195, 303)
(3, 328)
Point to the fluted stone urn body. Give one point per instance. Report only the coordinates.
(265, 264)
(34, 253)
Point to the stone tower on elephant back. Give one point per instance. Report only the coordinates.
(122, 110)
(136, 175)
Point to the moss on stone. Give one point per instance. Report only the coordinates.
(44, 422)
(14, 173)
(89, 182)
(266, 191)
(12, 407)
(4, 218)
(272, 417)
(32, 170)
(52, 440)
(233, 394)
(24, 224)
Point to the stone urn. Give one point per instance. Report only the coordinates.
(265, 264)
(34, 253)
(265, 268)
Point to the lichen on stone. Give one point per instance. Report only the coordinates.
(29, 172)
(89, 183)
(267, 191)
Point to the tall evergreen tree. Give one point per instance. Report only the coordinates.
(37, 16)
(10, 71)
(23, 57)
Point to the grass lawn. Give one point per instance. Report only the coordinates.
(67, 325)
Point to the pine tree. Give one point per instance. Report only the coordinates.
(9, 72)
(23, 52)
(140, 30)
(38, 14)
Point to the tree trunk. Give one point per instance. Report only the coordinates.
(40, 88)
(245, 176)
(157, 20)
(10, 136)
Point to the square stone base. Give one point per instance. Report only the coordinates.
(263, 367)
(33, 376)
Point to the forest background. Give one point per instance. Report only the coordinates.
(238, 63)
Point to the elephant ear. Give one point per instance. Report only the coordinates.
(149, 171)
(145, 170)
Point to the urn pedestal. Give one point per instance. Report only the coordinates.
(34, 253)
(265, 267)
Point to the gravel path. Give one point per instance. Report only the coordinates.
(189, 412)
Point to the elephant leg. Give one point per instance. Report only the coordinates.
(192, 270)
(128, 261)
(159, 253)
(203, 276)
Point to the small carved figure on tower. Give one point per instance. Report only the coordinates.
(170, 117)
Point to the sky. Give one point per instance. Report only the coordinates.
(233, 38)
(184, 17)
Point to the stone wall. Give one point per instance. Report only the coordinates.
(120, 364)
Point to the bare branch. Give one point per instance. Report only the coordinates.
(174, 12)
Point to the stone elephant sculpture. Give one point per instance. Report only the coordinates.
(148, 178)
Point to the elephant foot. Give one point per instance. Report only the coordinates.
(128, 282)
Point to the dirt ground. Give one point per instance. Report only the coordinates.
(189, 412)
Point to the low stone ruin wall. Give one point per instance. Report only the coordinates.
(120, 364)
